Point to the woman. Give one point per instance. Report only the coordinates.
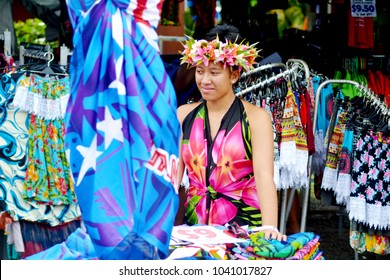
(227, 143)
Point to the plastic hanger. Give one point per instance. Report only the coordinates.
(49, 68)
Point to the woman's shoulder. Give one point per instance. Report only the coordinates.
(259, 119)
(185, 109)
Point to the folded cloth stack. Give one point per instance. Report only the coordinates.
(298, 246)
(254, 246)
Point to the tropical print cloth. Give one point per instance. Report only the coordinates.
(122, 133)
(363, 242)
(221, 183)
(308, 251)
(302, 245)
(363, 238)
(14, 136)
(48, 179)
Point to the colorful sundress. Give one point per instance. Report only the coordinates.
(221, 183)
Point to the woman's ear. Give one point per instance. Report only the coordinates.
(235, 75)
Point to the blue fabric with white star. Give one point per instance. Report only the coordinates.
(122, 133)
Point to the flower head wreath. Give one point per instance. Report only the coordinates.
(229, 53)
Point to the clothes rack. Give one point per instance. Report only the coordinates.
(290, 63)
(284, 74)
(264, 67)
(366, 92)
(294, 61)
(291, 68)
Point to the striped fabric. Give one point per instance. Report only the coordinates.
(122, 131)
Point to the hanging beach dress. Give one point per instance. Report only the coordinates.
(221, 183)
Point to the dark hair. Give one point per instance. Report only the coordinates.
(225, 32)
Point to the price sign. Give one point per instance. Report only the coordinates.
(202, 235)
(363, 8)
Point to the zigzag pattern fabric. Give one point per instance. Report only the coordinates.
(122, 133)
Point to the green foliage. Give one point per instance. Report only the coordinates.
(32, 31)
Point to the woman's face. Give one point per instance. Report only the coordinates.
(214, 81)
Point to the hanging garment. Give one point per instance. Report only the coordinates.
(48, 179)
(293, 147)
(122, 132)
(324, 113)
(344, 168)
(13, 162)
(204, 14)
(370, 192)
(222, 187)
(329, 180)
(170, 13)
(371, 81)
(14, 239)
(277, 114)
(7, 23)
(362, 242)
(275, 109)
(38, 237)
(45, 97)
(78, 246)
(360, 32)
(306, 118)
(365, 239)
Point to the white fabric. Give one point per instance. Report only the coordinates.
(343, 189)
(34, 103)
(329, 180)
(375, 216)
(293, 166)
(14, 236)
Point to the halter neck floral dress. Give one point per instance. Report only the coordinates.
(221, 183)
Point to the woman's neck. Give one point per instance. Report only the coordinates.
(221, 105)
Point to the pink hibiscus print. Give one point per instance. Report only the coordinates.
(229, 176)
(221, 211)
(194, 153)
(232, 164)
(249, 193)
